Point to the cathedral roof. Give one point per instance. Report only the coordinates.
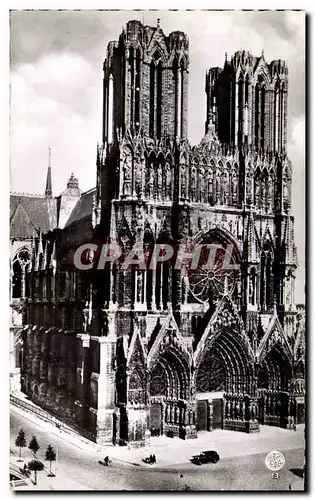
(29, 213)
(83, 207)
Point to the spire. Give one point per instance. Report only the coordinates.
(48, 191)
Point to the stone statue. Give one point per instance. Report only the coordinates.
(271, 200)
(168, 177)
(218, 190)
(202, 185)
(183, 183)
(248, 188)
(193, 184)
(138, 177)
(225, 188)
(159, 182)
(151, 181)
(210, 187)
(127, 176)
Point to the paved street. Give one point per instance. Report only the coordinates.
(241, 467)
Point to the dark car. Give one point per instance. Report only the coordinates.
(211, 456)
(206, 457)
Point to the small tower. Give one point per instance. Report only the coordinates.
(48, 190)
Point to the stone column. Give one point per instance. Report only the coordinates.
(236, 114)
(83, 380)
(106, 390)
(153, 304)
(161, 287)
(179, 101)
(110, 109)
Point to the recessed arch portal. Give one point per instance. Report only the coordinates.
(275, 370)
(170, 376)
(224, 364)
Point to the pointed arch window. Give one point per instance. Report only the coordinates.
(281, 113)
(17, 280)
(246, 124)
(132, 84)
(253, 287)
(156, 89)
(260, 96)
(137, 90)
(19, 270)
(266, 277)
(276, 116)
(152, 89)
(240, 109)
(262, 117)
(178, 70)
(257, 114)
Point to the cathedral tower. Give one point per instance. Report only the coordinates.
(146, 83)
(248, 99)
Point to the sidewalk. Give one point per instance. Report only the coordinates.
(44, 481)
(65, 432)
(172, 451)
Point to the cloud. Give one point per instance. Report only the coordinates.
(56, 102)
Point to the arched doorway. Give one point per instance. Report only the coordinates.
(273, 375)
(224, 375)
(169, 390)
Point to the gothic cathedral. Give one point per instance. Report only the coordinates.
(129, 353)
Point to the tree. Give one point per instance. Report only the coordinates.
(33, 445)
(36, 466)
(20, 441)
(50, 456)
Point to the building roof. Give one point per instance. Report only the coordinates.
(21, 225)
(29, 213)
(83, 207)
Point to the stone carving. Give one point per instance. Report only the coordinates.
(168, 177)
(183, 181)
(210, 187)
(201, 185)
(225, 188)
(218, 187)
(248, 188)
(138, 177)
(127, 172)
(151, 181)
(234, 184)
(193, 184)
(159, 182)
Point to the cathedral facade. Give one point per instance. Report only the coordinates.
(124, 353)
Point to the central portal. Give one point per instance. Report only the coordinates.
(156, 419)
(209, 411)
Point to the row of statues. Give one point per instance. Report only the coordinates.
(198, 184)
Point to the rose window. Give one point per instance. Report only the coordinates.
(213, 279)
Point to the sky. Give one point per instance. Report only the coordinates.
(56, 87)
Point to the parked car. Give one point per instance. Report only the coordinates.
(206, 457)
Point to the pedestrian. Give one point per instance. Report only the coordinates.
(154, 459)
